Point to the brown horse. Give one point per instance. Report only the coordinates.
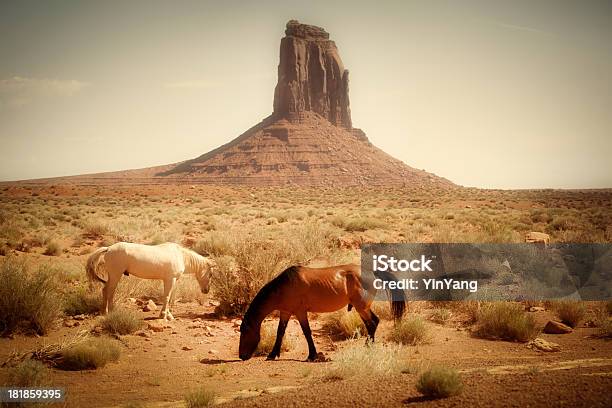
(299, 290)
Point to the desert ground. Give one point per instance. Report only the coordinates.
(47, 232)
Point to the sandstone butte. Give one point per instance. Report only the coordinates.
(308, 140)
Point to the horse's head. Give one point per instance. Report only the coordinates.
(249, 339)
(204, 274)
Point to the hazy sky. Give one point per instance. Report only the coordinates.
(512, 94)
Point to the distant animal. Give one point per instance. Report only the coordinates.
(537, 237)
(299, 290)
(167, 262)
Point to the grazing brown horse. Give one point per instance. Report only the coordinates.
(299, 290)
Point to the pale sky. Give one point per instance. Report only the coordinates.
(496, 94)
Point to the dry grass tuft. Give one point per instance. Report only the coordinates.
(358, 359)
(122, 321)
(344, 325)
(88, 354)
(570, 312)
(410, 331)
(439, 382)
(29, 300)
(505, 321)
(268, 337)
(54, 248)
(440, 316)
(28, 373)
(200, 398)
(82, 301)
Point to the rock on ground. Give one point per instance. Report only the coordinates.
(553, 327)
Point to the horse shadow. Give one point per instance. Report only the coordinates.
(216, 361)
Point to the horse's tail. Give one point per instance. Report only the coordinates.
(94, 262)
(397, 297)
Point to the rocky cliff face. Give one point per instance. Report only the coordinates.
(309, 138)
(311, 77)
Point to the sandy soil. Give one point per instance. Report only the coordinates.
(159, 368)
(199, 350)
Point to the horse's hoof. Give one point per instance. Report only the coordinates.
(271, 358)
(318, 358)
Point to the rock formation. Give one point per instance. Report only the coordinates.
(311, 77)
(308, 139)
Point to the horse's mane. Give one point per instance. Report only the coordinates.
(266, 291)
(194, 262)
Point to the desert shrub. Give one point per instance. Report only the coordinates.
(95, 229)
(122, 321)
(564, 222)
(10, 230)
(54, 248)
(439, 382)
(28, 373)
(268, 337)
(70, 272)
(216, 243)
(254, 260)
(570, 312)
(200, 398)
(505, 321)
(344, 325)
(82, 301)
(440, 315)
(28, 299)
(605, 327)
(410, 331)
(89, 354)
(358, 224)
(358, 359)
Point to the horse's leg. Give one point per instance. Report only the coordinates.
(370, 320)
(111, 286)
(168, 286)
(303, 319)
(105, 298)
(280, 333)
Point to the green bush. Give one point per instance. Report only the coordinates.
(439, 382)
(29, 300)
(505, 321)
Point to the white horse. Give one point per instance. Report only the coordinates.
(164, 261)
